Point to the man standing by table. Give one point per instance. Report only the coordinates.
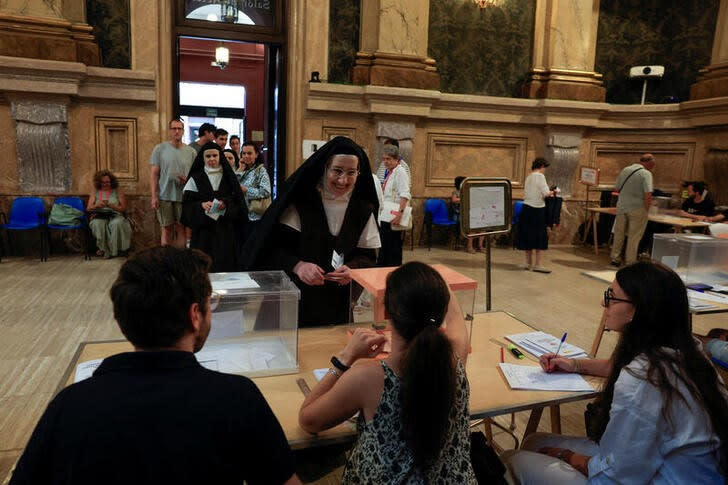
(170, 161)
(634, 185)
(156, 415)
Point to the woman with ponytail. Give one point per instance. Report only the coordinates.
(413, 424)
(662, 416)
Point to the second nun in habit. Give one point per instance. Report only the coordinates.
(212, 178)
(321, 225)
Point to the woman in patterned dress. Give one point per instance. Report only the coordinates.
(413, 405)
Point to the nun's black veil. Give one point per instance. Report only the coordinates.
(303, 184)
(227, 171)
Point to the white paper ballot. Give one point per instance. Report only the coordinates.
(230, 281)
(336, 260)
(84, 370)
(227, 324)
(536, 379)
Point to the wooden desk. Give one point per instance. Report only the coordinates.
(678, 224)
(374, 280)
(490, 394)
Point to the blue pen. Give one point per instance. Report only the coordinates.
(560, 344)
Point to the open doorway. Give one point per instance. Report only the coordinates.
(239, 95)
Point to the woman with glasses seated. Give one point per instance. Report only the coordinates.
(106, 207)
(662, 416)
(320, 226)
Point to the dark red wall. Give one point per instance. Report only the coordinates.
(246, 67)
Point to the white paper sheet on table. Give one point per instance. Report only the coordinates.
(532, 378)
(714, 297)
(320, 373)
(539, 343)
(84, 370)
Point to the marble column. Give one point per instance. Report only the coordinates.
(393, 45)
(564, 49)
(713, 79)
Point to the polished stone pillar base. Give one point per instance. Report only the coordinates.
(383, 69)
(564, 84)
(712, 82)
(47, 39)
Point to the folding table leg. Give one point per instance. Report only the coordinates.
(533, 421)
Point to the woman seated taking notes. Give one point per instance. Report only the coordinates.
(413, 406)
(663, 414)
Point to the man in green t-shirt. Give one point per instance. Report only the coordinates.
(171, 161)
(634, 185)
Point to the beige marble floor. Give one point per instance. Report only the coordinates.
(47, 309)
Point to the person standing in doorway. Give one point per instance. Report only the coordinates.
(235, 145)
(634, 185)
(221, 137)
(171, 161)
(205, 134)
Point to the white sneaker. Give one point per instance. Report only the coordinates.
(541, 269)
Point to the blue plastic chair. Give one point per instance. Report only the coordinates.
(436, 214)
(76, 203)
(517, 209)
(27, 213)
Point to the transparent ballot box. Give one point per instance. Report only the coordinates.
(254, 327)
(373, 282)
(697, 258)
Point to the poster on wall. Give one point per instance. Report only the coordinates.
(589, 176)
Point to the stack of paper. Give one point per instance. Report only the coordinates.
(535, 379)
(539, 343)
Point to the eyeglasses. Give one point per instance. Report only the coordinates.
(214, 301)
(609, 297)
(338, 173)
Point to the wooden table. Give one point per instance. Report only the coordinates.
(490, 394)
(678, 224)
(374, 280)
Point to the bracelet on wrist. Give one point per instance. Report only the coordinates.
(577, 366)
(334, 372)
(338, 364)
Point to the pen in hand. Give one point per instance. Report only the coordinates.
(563, 339)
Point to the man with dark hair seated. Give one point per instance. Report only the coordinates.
(699, 205)
(156, 415)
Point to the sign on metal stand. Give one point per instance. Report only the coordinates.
(485, 209)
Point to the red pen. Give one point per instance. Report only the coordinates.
(502, 356)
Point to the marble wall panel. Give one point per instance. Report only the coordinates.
(716, 173)
(673, 162)
(673, 33)
(8, 167)
(482, 51)
(449, 156)
(116, 146)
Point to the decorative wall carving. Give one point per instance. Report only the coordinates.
(673, 33)
(44, 155)
(482, 51)
(674, 161)
(449, 156)
(116, 147)
(562, 150)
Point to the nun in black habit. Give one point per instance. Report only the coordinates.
(321, 225)
(211, 178)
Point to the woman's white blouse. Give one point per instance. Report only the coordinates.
(640, 446)
(535, 190)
